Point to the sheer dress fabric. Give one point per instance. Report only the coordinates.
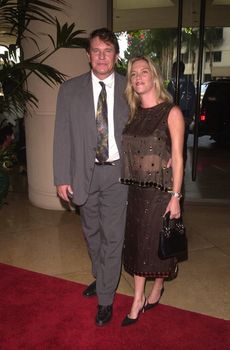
(146, 152)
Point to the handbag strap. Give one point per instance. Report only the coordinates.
(167, 221)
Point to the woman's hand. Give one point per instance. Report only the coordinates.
(174, 208)
(176, 128)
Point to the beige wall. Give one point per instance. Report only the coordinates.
(87, 15)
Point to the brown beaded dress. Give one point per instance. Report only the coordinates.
(146, 152)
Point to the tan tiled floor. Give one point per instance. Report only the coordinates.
(51, 242)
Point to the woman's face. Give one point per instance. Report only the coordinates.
(141, 77)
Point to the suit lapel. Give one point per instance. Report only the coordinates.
(116, 104)
(119, 106)
(82, 111)
(86, 95)
(86, 98)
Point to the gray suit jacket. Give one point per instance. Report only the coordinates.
(75, 135)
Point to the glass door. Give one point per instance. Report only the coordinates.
(198, 33)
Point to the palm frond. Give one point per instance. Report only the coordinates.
(46, 73)
(16, 15)
(17, 104)
(67, 37)
(15, 18)
(12, 70)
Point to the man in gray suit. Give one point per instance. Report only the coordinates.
(94, 185)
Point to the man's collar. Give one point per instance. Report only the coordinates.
(107, 81)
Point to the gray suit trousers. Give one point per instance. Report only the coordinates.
(103, 221)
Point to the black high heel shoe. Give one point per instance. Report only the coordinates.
(129, 321)
(150, 306)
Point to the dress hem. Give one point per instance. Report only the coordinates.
(170, 274)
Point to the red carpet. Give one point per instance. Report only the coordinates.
(38, 312)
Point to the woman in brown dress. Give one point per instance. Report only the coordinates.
(153, 169)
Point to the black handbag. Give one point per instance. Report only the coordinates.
(173, 240)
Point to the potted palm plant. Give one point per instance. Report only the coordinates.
(16, 17)
(7, 159)
(16, 23)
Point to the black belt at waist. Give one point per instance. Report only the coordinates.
(105, 163)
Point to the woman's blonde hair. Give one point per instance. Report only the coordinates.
(133, 98)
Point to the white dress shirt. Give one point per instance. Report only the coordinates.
(109, 86)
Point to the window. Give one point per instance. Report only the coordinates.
(184, 57)
(216, 56)
(207, 77)
(219, 32)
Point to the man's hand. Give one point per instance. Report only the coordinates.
(64, 192)
(169, 164)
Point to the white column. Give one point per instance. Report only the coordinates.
(87, 15)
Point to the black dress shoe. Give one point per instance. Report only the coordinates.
(90, 291)
(129, 321)
(150, 306)
(104, 314)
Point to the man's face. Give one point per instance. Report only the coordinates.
(102, 57)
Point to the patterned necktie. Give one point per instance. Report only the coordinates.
(102, 152)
